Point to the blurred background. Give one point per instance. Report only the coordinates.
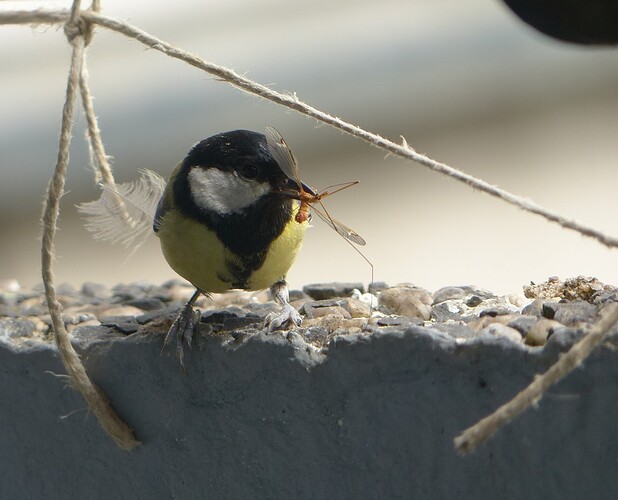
(466, 83)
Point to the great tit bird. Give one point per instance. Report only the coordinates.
(226, 220)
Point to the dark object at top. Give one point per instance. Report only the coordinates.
(589, 22)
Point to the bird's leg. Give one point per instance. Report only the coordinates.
(183, 327)
(288, 315)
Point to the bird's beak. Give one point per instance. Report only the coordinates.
(291, 189)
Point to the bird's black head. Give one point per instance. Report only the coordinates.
(242, 158)
(232, 184)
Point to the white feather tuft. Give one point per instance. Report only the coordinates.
(125, 214)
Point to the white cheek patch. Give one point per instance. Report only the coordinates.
(223, 192)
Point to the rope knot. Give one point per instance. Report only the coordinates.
(78, 26)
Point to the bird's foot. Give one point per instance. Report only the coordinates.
(183, 328)
(288, 316)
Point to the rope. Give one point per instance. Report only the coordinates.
(78, 34)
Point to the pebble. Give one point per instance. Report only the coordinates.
(448, 310)
(316, 335)
(17, 327)
(40, 326)
(65, 289)
(350, 308)
(319, 312)
(32, 307)
(540, 331)
(448, 293)
(119, 313)
(91, 322)
(399, 321)
(406, 301)
(146, 303)
(220, 317)
(169, 311)
(484, 321)
(574, 313)
(126, 327)
(503, 331)
(563, 338)
(333, 321)
(237, 323)
(96, 290)
(456, 330)
(423, 295)
(357, 308)
(535, 308)
(84, 334)
(298, 295)
(263, 310)
(370, 299)
(605, 295)
(522, 324)
(460, 292)
(474, 301)
(518, 301)
(495, 311)
(320, 291)
(548, 309)
(376, 286)
(471, 304)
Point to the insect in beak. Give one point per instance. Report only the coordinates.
(307, 196)
(291, 189)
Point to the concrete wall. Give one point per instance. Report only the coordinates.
(268, 417)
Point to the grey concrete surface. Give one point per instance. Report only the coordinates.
(262, 417)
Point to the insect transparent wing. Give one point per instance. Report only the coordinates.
(341, 228)
(282, 154)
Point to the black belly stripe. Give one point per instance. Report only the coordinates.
(240, 270)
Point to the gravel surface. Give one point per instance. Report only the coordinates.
(556, 307)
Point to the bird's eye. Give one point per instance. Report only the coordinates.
(248, 171)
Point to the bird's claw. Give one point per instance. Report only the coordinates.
(288, 316)
(183, 328)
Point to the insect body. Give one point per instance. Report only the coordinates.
(307, 196)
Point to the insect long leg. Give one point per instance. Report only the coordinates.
(340, 187)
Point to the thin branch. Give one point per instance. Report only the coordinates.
(476, 435)
(291, 101)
